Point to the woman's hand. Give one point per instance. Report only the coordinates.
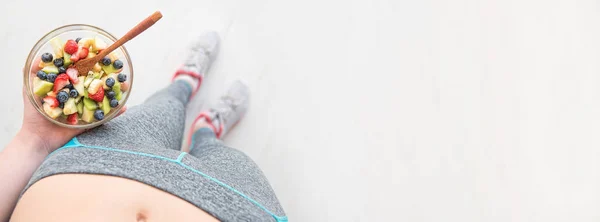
(47, 135)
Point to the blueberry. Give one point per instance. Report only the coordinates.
(62, 96)
(59, 62)
(47, 57)
(99, 114)
(105, 61)
(69, 86)
(110, 82)
(114, 103)
(61, 105)
(122, 77)
(51, 77)
(111, 94)
(41, 74)
(61, 70)
(73, 93)
(118, 64)
(77, 39)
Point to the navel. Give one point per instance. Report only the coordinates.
(141, 217)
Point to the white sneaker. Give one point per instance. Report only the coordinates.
(228, 110)
(202, 53)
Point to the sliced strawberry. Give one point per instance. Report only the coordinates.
(74, 58)
(73, 75)
(98, 96)
(61, 81)
(82, 53)
(71, 47)
(72, 119)
(51, 100)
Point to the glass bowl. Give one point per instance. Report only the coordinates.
(72, 32)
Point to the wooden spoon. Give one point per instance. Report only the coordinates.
(85, 65)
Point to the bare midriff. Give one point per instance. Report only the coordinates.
(96, 198)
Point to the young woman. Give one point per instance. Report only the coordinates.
(133, 168)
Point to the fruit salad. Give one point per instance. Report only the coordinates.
(71, 96)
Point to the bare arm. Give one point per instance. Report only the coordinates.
(19, 159)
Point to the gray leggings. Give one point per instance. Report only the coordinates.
(144, 145)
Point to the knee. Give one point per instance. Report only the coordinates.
(236, 154)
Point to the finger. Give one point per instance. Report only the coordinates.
(78, 131)
(122, 110)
